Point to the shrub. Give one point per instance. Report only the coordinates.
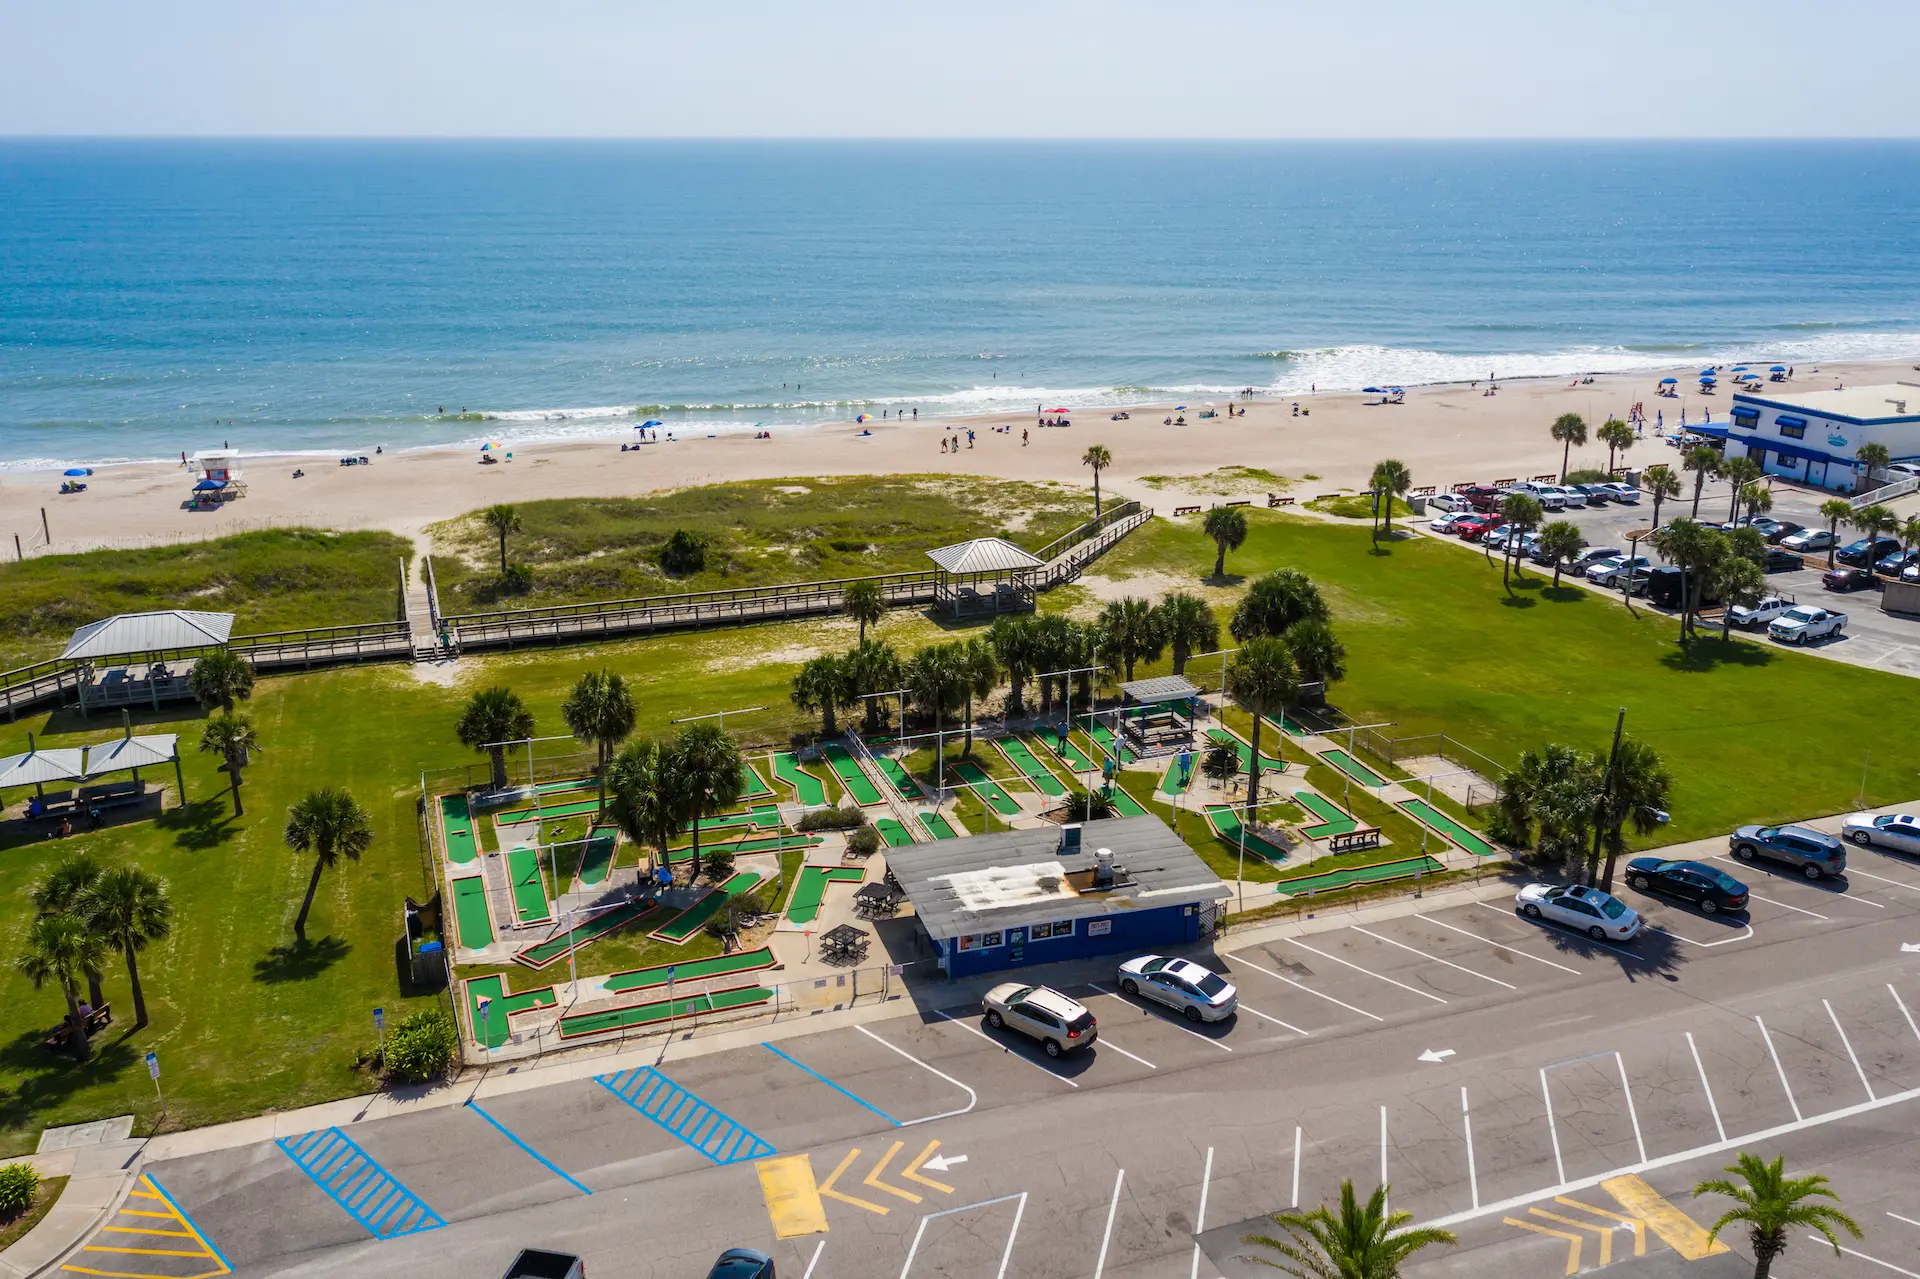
(18, 1185)
(719, 866)
(1588, 475)
(740, 910)
(865, 841)
(421, 1047)
(1089, 806)
(833, 819)
(683, 554)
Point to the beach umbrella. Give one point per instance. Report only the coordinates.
(652, 421)
(1179, 408)
(1739, 368)
(1669, 381)
(1371, 390)
(861, 418)
(1708, 379)
(1778, 368)
(76, 470)
(1056, 410)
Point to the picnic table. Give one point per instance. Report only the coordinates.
(873, 901)
(843, 942)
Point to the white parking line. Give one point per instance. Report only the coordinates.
(1384, 1180)
(1307, 1034)
(1497, 945)
(1312, 950)
(1633, 1112)
(1435, 958)
(973, 1098)
(1705, 1086)
(1310, 990)
(1104, 1042)
(1466, 1122)
(1553, 1130)
(1113, 1206)
(1908, 1220)
(1903, 1010)
(1771, 1052)
(1160, 1017)
(1848, 1045)
(1006, 1256)
(1897, 883)
(1771, 902)
(1798, 910)
(815, 1259)
(975, 1030)
(1200, 1221)
(1745, 932)
(1864, 1257)
(1295, 1201)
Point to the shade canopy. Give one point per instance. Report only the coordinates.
(37, 767)
(983, 555)
(1778, 368)
(1161, 688)
(131, 752)
(129, 633)
(1669, 381)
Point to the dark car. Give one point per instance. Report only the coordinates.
(1816, 853)
(1784, 529)
(1867, 550)
(1663, 588)
(1482, 497)
(1596, 494)
(742, 1263)
(1713, 890)
(1781, 561)
(1847, 579)
(1891, 565)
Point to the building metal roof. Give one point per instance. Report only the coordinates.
(130, 633)
(1008, 879)
(1895, 402)
(983, 555)
(37, 767)
(1161, 688)
(124, 753)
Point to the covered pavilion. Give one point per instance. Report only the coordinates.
(1157, 715)
(84, 765)
(129, 653)
(987, 576)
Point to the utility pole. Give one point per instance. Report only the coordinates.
(1602, 806)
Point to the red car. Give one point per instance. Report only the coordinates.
(1482, 497)
(1474, 530)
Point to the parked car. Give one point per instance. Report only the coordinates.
(1809, 539)
(1594, 494)
(1062, 1025)
(1482, 497)
(1816, 853)
(1570, 496)
(1712, 890)
(1196, 993)
(1867, 550)
(1614, 569)
(1899, 831)
(1636, 582)
(1803, 623)
(537, 1263)
(1450, 521)
(1784, 530)
(742, 1263)
(1497, 536)
(1474, 530)
(1761, 614)
(1447, 502)
(1897, 563)
(1591, 556)
(1847, 579)
(1663, 588)
(1624, 493)
(1599, 915)
(1548, 495)
(1781, 561)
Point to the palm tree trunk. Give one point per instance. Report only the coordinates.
(1015, 706)
(1699, 482)
(499, 754)
(828, 727)
(95, 995)
(1765, 1249)
(1096, 493)
(1656, 510)
(233, 776)
(601, 806)
(1220, 561)
(1253, 774)
(1556, 571)
(968, 751)
(863, 629)
(133, 982)
(76, 1025)
(503, 552)
(695, 872)
(1566, 451)
(313, 884)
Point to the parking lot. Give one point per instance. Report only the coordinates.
(1471, 1057)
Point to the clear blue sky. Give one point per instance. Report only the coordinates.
(983, 68)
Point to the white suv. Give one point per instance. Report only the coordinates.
(1548, 495)
(1062, 1025)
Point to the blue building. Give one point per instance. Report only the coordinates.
(1020, 897)
(1814, 436)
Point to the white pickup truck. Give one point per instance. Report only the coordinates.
(1761, 614)
(1804, 623)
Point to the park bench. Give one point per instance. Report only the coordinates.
(1506, 483)
(1549, 478)
(1242, 502)
(96, 1020)
(1274, 499)
(1186, 510)
(1425, 490)
(1354, 840)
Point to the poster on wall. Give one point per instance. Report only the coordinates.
(1099, 927)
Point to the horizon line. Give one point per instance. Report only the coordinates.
(1317, 139)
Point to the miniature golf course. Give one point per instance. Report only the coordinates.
(1453, 830)
(1023, 759)
(1377, 873)
(759, 844)
(564, 808)
(694, 918)
(939, 826)
(1069, 753)
(568, 784)
(1124, 804)
(1176, 781)
(897, 775)
(1332, 820)
(895, 834)
(529, 889)
(986, 788)
(810, 889)
(1353, 768)
(470, 912)
(1267, 764)
(752, 785)
(807, 788)
(594, 929)
(493, 1030)
(1226, 824)
(597, 860)
(851, 776)
(1104, 736)
(744, 961)
(641, 1014)
(457, 823)
(766, 816)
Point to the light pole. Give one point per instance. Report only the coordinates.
(1068, 674)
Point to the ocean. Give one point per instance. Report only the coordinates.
(290, 296)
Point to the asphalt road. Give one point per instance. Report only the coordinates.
(1580, 1083)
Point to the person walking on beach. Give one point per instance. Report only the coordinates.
(916, 412)
(969, 437)
(943, 444)
(1023, 437)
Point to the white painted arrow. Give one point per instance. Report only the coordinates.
(1910, 946)
(940, 1163)
(1432, 1055)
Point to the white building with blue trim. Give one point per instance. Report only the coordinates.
(1812, 436)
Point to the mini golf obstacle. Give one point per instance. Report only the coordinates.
(809, 790)
(985, 788)
(1353, 768)
(851, 775)
(1226, 824)
(1023, 759)
(456, 824)
(743, 961)
(470, 912)
(529, 886)
(694, 918)
(494, 1029)
(1332, 820)
(810, 889)
(1449, 828)
(1347, 877)
(591, 930)
(630, 1015)
(597, 859)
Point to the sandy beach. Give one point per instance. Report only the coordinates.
(1446, 434)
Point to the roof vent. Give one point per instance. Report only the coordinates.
(1103, 868)
(1070, 838)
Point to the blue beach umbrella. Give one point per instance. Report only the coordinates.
(1739, 368)
(1669, 381)
(1778, 368)
(1707, 378)
(1370, 390)
(652, 421)
(76, 470)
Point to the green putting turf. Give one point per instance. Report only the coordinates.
(939, 826)
(1288, 727)
(694, 918)
(494, 1027)
(897, 775)
(1453, 830)
(1123, 803)
(569, 784)
(1353, 768)
(744, 961)
(566, 808)
(807, 788)
(592, 930)
(1267, 762)
(766, 816)
(1175, 782)
(470, 909)
(1226, 824)
(895, 834)
(753, 786)
(1379, 872)
(848, 770)
(598, 859)
(642, 1014)
(761, 844)
(529, 889)
(1103, 736)
(1068, 753)
(1332, 820)
(810, 889)
(714, 827)
(987, 788)
(457, 824)
(1023, 759)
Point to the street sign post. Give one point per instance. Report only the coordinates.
(380, 1025)
(153, 1073)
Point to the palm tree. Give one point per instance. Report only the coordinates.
(979, 674)
(1524, 512)
(1633, 792)
(647, 801)
(1391, 479)
(1617, 436)
(869, 669)
(1221, 763)
(821, 686)
(1870, 457)
(330, 824)
(1660, 483)
(1561, 541)
(1053, 646)
(1702, 461)
(491, 719)
(707, 769)
(1554, 790)
(1738, 472)
(1693, 549)
(1263, 678)
(221, 678)
(1739, 582)
(59, 948)
(1834, 510)
(1910, 533)
(864, 602)
(1130, 633)
(63, 891)
(502, 519)
(1013, 647)
(1319, 654)
(1875, 520)
(1361, 1243)
(937, 684)
(1770, 1203)
(1188, 625)
(1227, 526)
(1756, 498)
(599, 710)
(1570, 429)
(232, 738)
(129, 908)
(1275, 602)
(1099, 459)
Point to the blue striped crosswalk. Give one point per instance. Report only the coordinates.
(364, 1190)
(684, 1115)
